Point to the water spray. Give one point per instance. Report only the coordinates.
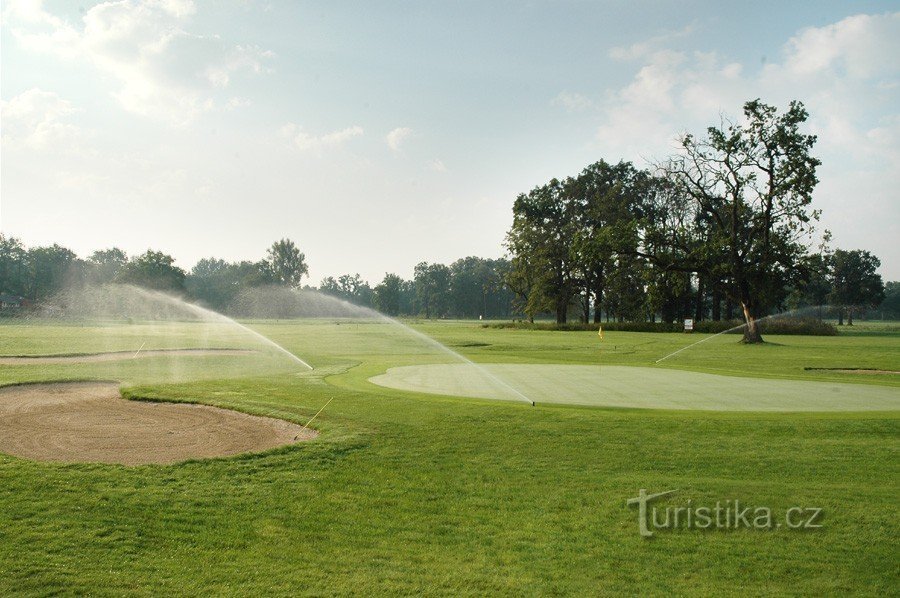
(738, 327)
(215, 316)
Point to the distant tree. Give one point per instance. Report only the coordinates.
(409, 303)
(14, 274)
(812, 285)
(348, 287)
(153, 270)
(105, 264)
(286, 263)
(432, 289)
(330, 286)
(855, 282)
(387, 295)
(51, 269)
(891, 303)
(474, 285)
(214, 282)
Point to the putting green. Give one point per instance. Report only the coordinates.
(640, 387)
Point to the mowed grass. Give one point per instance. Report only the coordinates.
(414, 493)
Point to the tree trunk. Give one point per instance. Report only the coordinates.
(751, 330)
(698, 311)
(840, 316)
(598, 300)
(716, 306)
(561, 309)
(729, 309)
(586, 307)
(850, 316)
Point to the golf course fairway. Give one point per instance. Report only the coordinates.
(640, 387)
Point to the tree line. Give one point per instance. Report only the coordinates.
(718, 229)
(470, 287)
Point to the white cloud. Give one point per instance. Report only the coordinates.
(861, 46)
(644, 48)
(395, 138)
(37, 119)
(163, 71)
(82, 181)
(844, 73)
(437, 166)
(573, 102)
(307, 142)
(236, 102)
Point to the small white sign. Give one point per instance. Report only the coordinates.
(688, 325)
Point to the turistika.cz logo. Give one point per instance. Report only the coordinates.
(727, 515)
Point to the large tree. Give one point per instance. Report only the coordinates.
(105, 264)
(607, 200)
(349, 287)
(432, 289)
(388, 295)
(541, 237)
(855, 282)
(287, 263)
(153, 270)
(746, 191)
(51, 269)
(14, 273)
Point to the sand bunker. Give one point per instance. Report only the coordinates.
(90, 422)
(116, 356)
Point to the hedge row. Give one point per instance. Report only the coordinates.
(773, 325)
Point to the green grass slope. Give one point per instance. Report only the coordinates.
(413, 493)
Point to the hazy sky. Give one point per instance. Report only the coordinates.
(380, 134)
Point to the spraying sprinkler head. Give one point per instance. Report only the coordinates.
(532, 403)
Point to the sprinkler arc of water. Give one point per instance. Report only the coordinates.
(739, 326)
(432, 342)
(216, 316)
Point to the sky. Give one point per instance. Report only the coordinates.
(380, 134)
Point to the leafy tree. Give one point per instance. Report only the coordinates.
(286, 263)
(388, 295)
(51, 269)
(521, 277)
(14, 274)
(477, 287)
(607, 201)
(891, 303)
(348, 287)
(153, 270)
(813, 281)
(432, 289)
(626, 292)
(541, 236)
(746, 190)
(213, 282)
(105, 264)
(855, 282)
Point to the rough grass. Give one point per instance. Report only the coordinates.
(406, 493)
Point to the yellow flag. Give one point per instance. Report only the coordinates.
(600, 332)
